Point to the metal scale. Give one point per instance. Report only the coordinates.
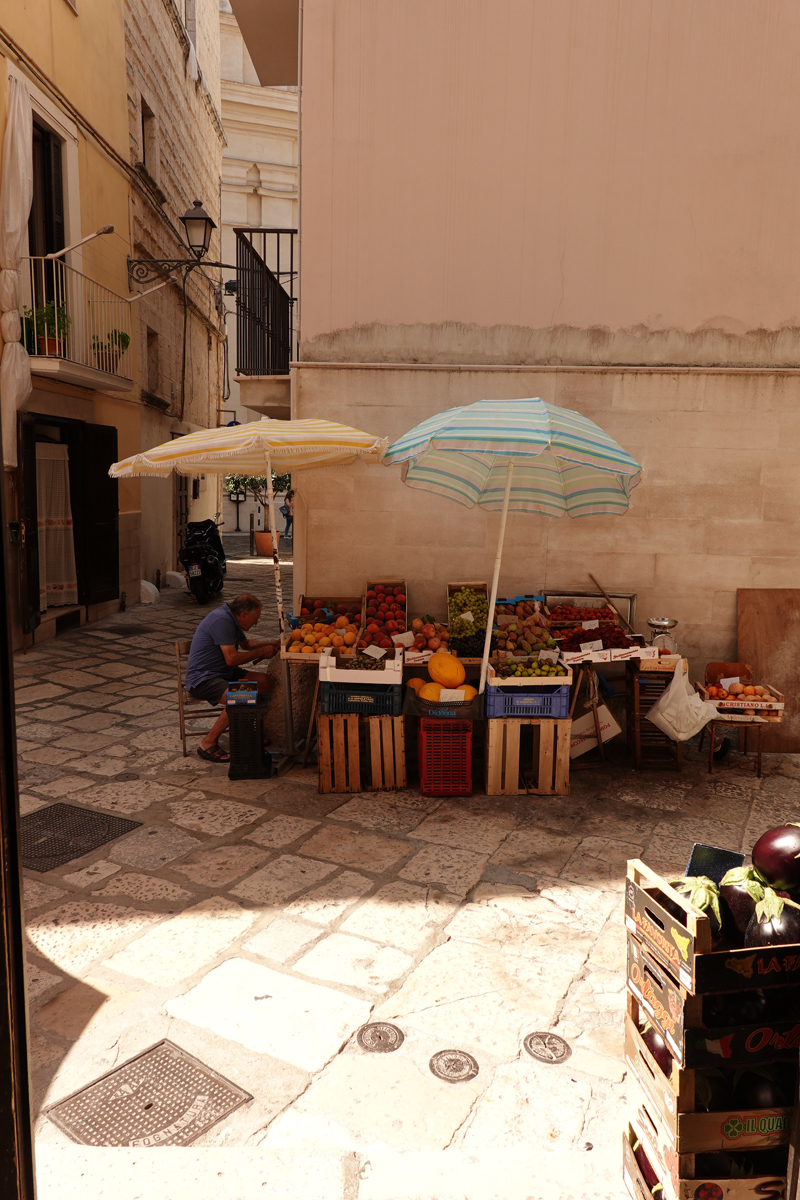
(661, 636)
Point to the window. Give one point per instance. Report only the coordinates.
(191, 20)
(46, 221)
(152, 362)
(150, 154)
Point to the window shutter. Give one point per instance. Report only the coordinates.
(57, 194)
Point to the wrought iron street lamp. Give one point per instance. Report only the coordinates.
(198, 226)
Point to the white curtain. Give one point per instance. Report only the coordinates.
(16, 194)
(58, 582)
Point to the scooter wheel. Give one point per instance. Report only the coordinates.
(217, 585)
(199, 590)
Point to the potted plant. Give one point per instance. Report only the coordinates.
(257, 486)
(52, 323)
(109, 350)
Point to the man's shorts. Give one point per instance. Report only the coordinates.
(213, 689)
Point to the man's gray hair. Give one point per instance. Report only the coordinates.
(244, 604)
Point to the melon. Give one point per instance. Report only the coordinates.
(430, 692)
(446, 670)
(416, 683)
(469, 692)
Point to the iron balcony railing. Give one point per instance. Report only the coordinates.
(266, 332)
(67, 315)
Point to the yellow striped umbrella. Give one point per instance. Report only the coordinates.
(252, 448)
(256, 449)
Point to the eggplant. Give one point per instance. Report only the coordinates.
(776, 922)
(713, 1090)
(741, 889)
(658, 1048)
(703, 893)
(759, 1089)
(736, 1008)
(776, 857)
(645, 1166)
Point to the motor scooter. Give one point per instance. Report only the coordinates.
(203, 558)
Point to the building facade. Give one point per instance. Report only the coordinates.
(121, 140)
(591, 202)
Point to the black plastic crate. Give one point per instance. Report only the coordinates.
(250, 758)
(374, 700)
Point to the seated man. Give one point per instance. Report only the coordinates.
(215, 659)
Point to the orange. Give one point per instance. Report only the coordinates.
(293, 648)
(297, 635)
(318, 627)
(349, 639)
(306, 628)
(309, 639)
(337, 641)
(307, 650)
(324, 641)
(341, 622)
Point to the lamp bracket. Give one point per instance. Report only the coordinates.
(145, 270)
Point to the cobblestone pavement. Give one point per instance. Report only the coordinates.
(258, 925)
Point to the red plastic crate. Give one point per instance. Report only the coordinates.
(444, 757)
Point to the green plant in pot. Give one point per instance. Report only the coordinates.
(52, 324)
(257, 486)
(110, 349)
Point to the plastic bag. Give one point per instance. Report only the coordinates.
(680, 712)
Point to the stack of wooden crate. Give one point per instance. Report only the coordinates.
(681, 987)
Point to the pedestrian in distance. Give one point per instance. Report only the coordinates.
(287, 510)
(218, 652)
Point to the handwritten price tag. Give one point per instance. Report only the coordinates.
(453, 695)
(590, 624)
(548, 656)
(403, 639)
(726, 683)
(374, 652)
(588, 647)
(467, 616)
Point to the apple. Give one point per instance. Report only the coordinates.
(434, 643)
(420, 642)
(429, 630)
(417, 624)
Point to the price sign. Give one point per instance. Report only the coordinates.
(588, 647)
(403, 639)
(548, 656)
(590, 624)
(726, 683)
(467, 616)
(374, 652)
(453, 695)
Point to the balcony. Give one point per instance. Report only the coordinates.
(266, 332)
(75, 330)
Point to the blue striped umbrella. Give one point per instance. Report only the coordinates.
(518, 455)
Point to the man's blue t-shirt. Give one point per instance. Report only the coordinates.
(206, 660)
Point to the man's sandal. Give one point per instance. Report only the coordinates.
(216, 754)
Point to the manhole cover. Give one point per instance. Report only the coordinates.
(61, 832)
(547, 1047)
(454, 1066)
(163, 1097)
(380, 1038)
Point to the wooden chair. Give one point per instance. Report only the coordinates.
(714, 672)
(187, 702)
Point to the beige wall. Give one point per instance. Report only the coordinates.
(717, 508)
(528, 181)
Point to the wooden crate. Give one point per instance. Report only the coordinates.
(339, 749)
(387, 749)
(339, 752)
(685, 947)
(550, 757)
(654, 996)
(693, 1132)
(355, 604)
(677, 1187)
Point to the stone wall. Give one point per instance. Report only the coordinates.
(176, 140)
(716, 509)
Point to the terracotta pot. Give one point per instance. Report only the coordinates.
(52, 347)
(264, 543)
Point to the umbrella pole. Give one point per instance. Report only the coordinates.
(496, 578)
(288, 717)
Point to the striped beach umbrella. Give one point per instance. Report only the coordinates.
(519, 456)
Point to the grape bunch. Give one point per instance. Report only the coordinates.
(472, 646)
(467, 600)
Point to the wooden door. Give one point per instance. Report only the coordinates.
(95, 508)
(769, 642)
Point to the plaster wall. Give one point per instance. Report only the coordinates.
(716, 510)
(592, 181)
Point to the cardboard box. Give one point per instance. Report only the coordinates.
(584, 735)
(685, 947)
(331, 670)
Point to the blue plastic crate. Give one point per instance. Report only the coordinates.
(533, 701)
(378, 700)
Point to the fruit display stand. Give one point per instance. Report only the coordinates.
(646, 742)
(697, 1000)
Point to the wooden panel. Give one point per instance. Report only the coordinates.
(376, 763)
(563, 733)
(494, 758)
(339, 759)
(511, 781)
(388, 752)
(324, 754)
(769, 640)
(399, 733)
(547, 730)
(353, 754)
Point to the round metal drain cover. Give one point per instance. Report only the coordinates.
(547, 1047)
(454, 1066)
(380, 1038)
